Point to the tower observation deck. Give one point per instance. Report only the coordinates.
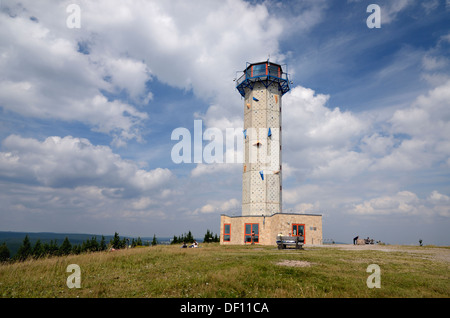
(266, 73)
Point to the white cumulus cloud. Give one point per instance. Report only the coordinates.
(71, 162)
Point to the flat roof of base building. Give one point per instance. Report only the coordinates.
(270, 215)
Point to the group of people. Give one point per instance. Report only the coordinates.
(194, 244)
(366, 241)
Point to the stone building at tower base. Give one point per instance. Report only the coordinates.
(237, 230)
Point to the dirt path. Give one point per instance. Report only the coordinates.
(436, 253)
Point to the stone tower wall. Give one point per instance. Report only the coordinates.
(262, 110)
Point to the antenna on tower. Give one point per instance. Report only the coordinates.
(235, 77)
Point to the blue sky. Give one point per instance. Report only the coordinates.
(86, 114)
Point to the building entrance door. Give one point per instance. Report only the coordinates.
(298, 230)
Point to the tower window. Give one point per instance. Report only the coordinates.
(259, 70)
(274, 70)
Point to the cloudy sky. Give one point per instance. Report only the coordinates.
(87, 113)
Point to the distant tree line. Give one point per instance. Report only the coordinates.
(210, 238)
(41, 250)
(189, 238)
(183, 238)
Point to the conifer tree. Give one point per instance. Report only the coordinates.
(208, 237)
(52, 248)
(65, 247)
(4, 253)
(38, 249)
(76, 249)
(25, 250)
(189, 238)
(102, 244)
(115, 242)
(154, 242)
(94, 246)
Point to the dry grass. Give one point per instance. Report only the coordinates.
(215, 271)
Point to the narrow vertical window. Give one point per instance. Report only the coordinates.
(226, 232)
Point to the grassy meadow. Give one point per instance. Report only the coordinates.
(215, 271)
